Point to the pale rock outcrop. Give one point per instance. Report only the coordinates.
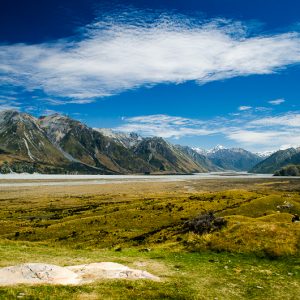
(39, 273)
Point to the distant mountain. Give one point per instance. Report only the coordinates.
(165, 157)
(236, 159)
(294, 159)
(205, 163)
(127, 140)
(162, 153)
(264, 154)
(278, 160)
(59, 144)
(200, 151)
(209, 151)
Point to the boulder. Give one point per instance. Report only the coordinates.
(39, 273)
(104, 270)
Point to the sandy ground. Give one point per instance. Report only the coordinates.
(145, 187)
(28, 180)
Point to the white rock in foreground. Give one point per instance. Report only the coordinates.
(104, 270)
(39, 273)
(34, 273)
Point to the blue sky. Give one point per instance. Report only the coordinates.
(197, 73)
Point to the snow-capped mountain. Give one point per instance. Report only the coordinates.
(237, 159)
(278, 160)
(264, 154)
(201, 151)
(216, 149)
(128, 140)
(59, 144)
(209, 151)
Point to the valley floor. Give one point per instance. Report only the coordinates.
(142, 225)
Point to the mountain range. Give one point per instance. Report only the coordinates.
(278, 160)
(59, 144)
(236, 159)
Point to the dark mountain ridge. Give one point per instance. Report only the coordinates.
(236, 159)
(278, 160)
(59, 144)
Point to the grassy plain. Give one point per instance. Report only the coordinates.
(256, 256)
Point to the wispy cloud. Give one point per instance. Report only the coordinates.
(164, 126)
(253, 132)
(8, 107)
(7, 103)
(118, 54)
(289, 119)
(277, 101)
(244, 108)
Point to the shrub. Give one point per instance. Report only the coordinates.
(205, 223)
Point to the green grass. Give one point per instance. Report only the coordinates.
(203, 275)
(256, 256)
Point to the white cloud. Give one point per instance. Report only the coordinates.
(252, 132)
(8, 103)
(242, 108)
(289, 119)
(113, 56)
(277, 101)
(164, 126)
(266, 139)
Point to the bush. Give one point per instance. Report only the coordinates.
(205, 223)
(291, 170)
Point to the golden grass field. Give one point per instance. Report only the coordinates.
(256, 256)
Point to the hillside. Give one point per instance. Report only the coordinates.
(277, 160)
(25, 146)
(200, 159)
(85, 145)
(236, 159)
(59, 144)
(165, 157)
(290, 170)
(127, 140)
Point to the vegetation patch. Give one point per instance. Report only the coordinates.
(248, 248)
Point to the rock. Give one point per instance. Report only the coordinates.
(36, 273)
(145, 250)
(285, 205)
(39, 273)
(103, 270)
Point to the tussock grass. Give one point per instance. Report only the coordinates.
(256, 256)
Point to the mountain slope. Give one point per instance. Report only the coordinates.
(83, 144)
(59, 144)
(21, 136)
(165, 157)
(183, 153)
(278, 160)
(127, 140)
(204, 163)
(289, 170)
(236, 159)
